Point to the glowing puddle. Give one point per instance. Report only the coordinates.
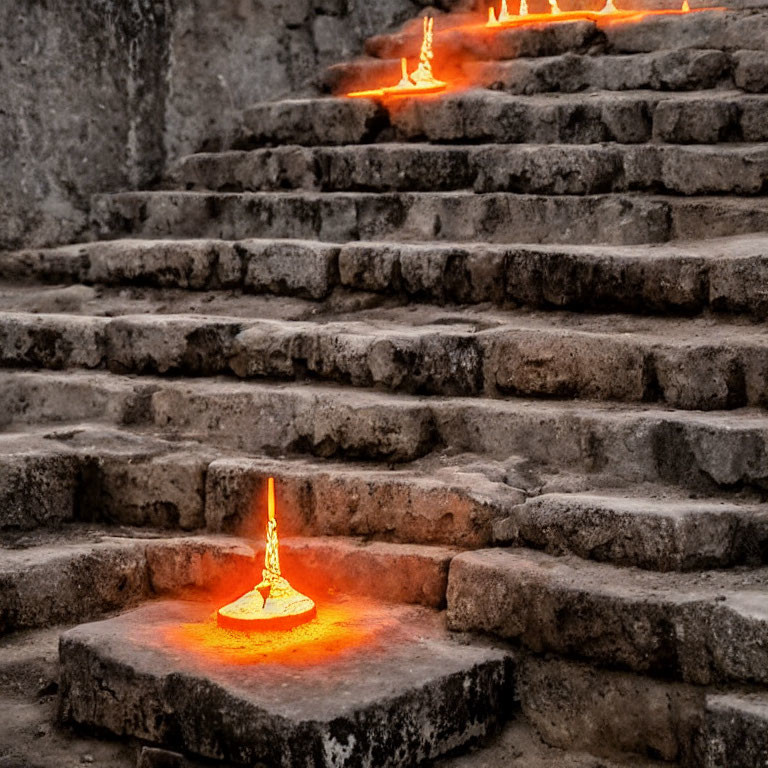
(342, 625)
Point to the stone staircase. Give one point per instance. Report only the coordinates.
(503, 351)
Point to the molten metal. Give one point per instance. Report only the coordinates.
(421, 80)
(273, 603)
(609, 13)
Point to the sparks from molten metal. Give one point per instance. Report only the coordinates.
(273, 603)
(422, 80)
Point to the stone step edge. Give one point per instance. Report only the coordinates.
(492, 357)
(648, 533)
(630, 443)
(724, 275)
(700, 628)
(60, 581)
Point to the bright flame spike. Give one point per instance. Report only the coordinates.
(523, 8)
(273, 603)
(686, 8)
(422, 79)
(609, 7)
(492, 20)
(554, 9)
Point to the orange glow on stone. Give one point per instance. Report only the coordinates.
(342, 625)
(273, 604)
(421, 81)
(556, 16)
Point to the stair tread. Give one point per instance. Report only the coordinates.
(704, 627)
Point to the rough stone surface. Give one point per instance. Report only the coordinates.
(419, 216)
(426, 508)
(525, 168)
(79, 578)
(36, 488)
(411, 694)
(700, 628)
(656, 534)
(162, 80)
(628, 443)
(577, 707)
(735, 732)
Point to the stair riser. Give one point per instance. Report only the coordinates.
(661, 539)
(551, 170)
(580, 707)
(634, 446)
(681, 70)
(191, 492)
(81, 583)
(37, 490)
(692, 636)
(483, 116)
(492, 363)
(675, 70)
(365, 503)
(452, 217)
(735, 732)
(679, 282)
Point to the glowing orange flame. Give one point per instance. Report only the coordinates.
(421, 80)
(273, 603)
(609, 13)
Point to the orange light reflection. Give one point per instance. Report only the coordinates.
(341, 626)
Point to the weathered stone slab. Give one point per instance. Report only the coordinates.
(698, 628)
(313, 499)
(735, 732)
(86, 574)
(627, 442)
(525, 168)
(424, 216)
(628, 117)
(668, 70)
(405, 694)
(658, 534)
(577, 706)
(37, 485)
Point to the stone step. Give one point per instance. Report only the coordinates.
(576, 706)
(84, 473)
(426, 216)
(724, 275)
(666, 70)
(682, 69)
(526, 169)
(667, 534)
(735, 730)
(366, 683)
(620, 444)
(83, 572)
(702, 628)
(690, 364)
(726, 31)
(629, 117)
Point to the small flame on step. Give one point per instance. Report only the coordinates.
(421, 80)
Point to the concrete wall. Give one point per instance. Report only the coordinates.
(97, 95)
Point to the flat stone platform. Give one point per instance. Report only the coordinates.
(364, 684)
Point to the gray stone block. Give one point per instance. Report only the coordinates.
(406, 695)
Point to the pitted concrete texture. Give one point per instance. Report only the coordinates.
(364, 684)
